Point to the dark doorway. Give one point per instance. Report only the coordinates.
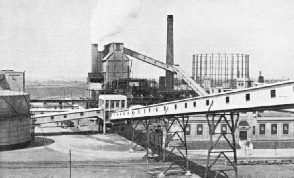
(243, 135)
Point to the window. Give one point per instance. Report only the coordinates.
(224, 128)
(52, 117)
(117, 104)
(227, 99)
(65, 116)
(285, 128)
(273, 93)
(207, 102)
(274, 129)
(123, 102)
(188, 129)
(219, 90)
(156, 109)
(107, 104)
(175, 106)
(247, 97)
(253, 130)
(81, 114)
(261, 129)
(194, 103)
(185, 105)
(112, 104)
(199, 129)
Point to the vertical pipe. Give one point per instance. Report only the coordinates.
(200, 70)
(193, 67)
(169, 53)
(232, 71)
(215, 72)
(210, 69)
(225, 73)
(205, 72)
(242, 67)
(247, 62)
(238, 70)
(219, 68)
(197, 77)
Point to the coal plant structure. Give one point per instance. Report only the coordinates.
(220, 69)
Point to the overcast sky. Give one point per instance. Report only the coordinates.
(51, 39)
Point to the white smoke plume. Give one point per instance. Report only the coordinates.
(111, 17)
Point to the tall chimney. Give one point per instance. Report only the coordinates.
(169, 76)
(94, 58)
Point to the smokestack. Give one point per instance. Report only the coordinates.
(94, 58)
(169, 76)
(260, 78)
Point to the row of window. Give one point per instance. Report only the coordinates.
(247, 97)
(65, 116)
(113, 103)
(274, 129)
(199, 130)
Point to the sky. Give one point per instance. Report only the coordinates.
(51, 39)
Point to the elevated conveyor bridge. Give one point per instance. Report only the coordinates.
(172, 68)
(68, 115)
(217, 107)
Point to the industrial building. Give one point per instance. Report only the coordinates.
(111, 75)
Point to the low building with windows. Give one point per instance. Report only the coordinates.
(262, 128)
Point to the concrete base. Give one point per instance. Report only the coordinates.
(160, 175)
(188, 173)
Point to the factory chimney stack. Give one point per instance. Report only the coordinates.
(169, 76)
(96, 59)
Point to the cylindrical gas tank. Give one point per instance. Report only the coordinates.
(15, 120)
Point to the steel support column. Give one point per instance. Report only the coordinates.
(178, 142)
(137, 132)
(232, 125)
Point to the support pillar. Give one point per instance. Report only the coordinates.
(232, 125)
(145, 133)
(176, 142)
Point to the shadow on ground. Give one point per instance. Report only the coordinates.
(37, 142)
(127, 132)
(40, 141)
